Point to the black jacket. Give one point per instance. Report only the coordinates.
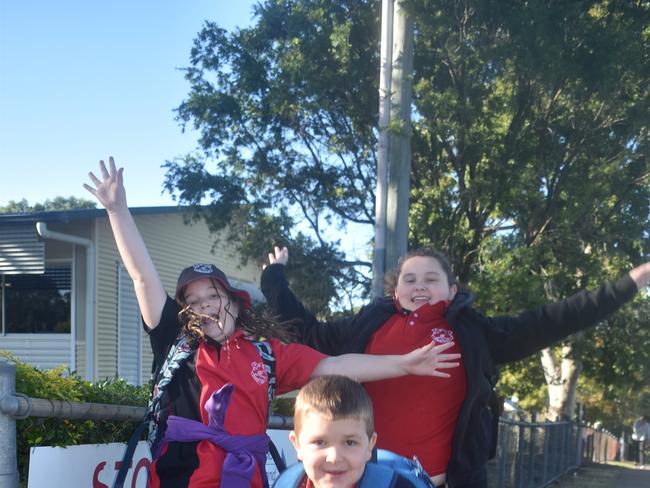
(484, 341)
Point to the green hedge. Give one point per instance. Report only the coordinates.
(283, 406)
(61, 384)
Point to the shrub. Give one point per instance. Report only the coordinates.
(283, 406)
(61, 384)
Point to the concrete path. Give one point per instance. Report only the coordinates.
(634, 478)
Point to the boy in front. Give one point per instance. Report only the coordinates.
(334, 437)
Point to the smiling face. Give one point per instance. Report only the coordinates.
(208, 297)
(334, 452)
(422, 280)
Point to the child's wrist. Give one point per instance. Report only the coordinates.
(117, 210)
(404, 364)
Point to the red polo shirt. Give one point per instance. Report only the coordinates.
(416, 415)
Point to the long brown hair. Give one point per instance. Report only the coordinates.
(255, 324)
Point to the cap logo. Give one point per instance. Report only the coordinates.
(203, 268)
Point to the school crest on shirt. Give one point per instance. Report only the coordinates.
(258, 373)
(442, 336)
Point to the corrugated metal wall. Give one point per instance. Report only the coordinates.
(21, 251)
(44, 351)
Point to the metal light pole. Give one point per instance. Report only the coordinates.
(379, 260)
(394, 153)
(399, 162)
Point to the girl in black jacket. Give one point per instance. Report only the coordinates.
(450, 424)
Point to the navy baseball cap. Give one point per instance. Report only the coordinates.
(201, 270)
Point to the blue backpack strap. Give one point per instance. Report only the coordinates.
(411, 469)
(127, 458)
(290, 477)
(377, 476)
(374, 476)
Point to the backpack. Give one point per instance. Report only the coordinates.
(382, 472)
(177, 355)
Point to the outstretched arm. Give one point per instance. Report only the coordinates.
(333, 337)
(424, 361)
(511, 338)
(149, 289)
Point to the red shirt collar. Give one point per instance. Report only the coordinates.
(428, 310)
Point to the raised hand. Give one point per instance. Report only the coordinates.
(427, 360)
(148, 286)
(280, 255)
(110, 190)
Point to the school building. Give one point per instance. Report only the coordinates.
(66, 298)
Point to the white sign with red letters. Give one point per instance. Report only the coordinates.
(96, 465)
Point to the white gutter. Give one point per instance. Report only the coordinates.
(43, 231)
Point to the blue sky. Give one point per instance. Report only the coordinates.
(82, 80)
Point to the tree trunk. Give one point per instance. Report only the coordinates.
(562, 378)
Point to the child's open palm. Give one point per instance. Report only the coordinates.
(110, 191)
(430, 359)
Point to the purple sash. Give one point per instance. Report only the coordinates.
(243, 452)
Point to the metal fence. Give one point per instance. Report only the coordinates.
(533, 454)
(529, 454)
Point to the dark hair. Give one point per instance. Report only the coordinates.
(334, 397)
(390, 281)
(252, 323)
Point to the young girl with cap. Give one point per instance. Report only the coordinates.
(217, 399)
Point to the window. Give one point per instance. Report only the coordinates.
(38, 303)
